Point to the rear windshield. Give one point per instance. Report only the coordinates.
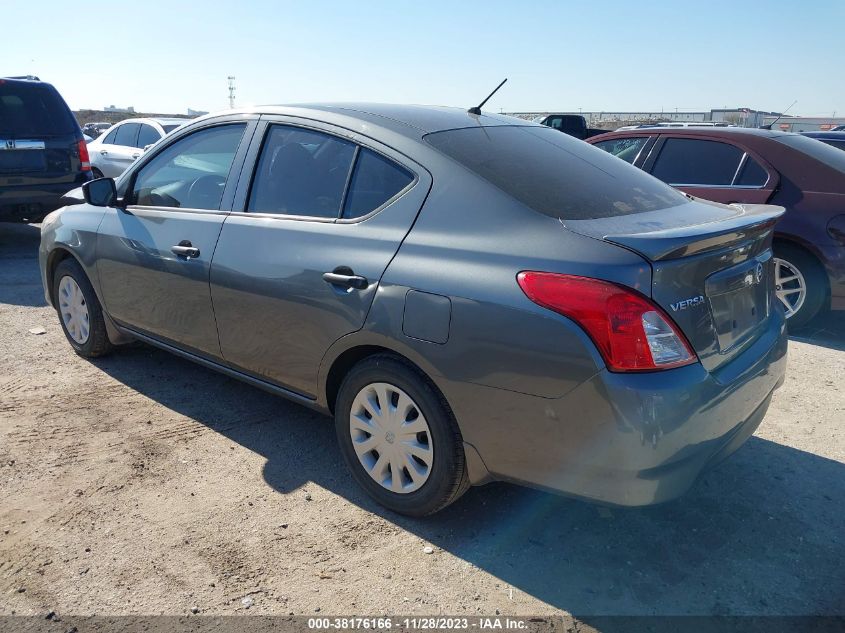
(33, 109)
(555, 174)
(170, 127)
(814, 148)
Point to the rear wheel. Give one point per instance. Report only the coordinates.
(399, 437)
(79, 310)
(800, 284)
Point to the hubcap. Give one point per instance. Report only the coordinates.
(73, 309)
(391, 437)
(790, 287)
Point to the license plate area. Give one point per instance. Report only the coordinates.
(21, 156)
(739, 299)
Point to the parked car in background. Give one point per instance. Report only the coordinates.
(755, 166)
(839, 128)
(116, 149)
(95, 129)
(572, 124)
(42, 151)
(473, 297)
(834, 139)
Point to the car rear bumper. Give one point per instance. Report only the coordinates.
(625, 439)
(18, 202)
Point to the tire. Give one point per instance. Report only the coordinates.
(88, 342)
(445, 478)
(790, 260)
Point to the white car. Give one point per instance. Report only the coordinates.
(113, 151)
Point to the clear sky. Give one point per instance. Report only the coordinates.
(167, 56)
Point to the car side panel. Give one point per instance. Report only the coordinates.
(471, 252)
(276, 315)
(73, 231)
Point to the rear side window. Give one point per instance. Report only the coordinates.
(375, 180)
(190, 173)
(554, 173)
(567, 124)
(752, 174)
(313, 174)
(126, 134)
(301, 172)
(688, 161)
(625, 148)
(147, 136)
(33, 109)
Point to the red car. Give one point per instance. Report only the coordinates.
(749, 165)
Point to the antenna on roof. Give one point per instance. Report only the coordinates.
(477, 109)
(769, 126)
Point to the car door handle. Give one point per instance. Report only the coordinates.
(135, 155)
(185, 249)
(104, 152)
(345, 279)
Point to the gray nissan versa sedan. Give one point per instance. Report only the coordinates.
(473, 297)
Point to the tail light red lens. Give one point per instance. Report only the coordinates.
(631, 332)
(84, 159)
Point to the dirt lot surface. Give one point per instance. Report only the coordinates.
(141, 483)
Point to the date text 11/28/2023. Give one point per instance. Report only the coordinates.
(421, 623)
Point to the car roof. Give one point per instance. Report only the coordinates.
(160, 121)
(413, 121)
(716, 132)
(168, 120)
(828, 134)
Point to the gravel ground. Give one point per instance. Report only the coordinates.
(143, 484)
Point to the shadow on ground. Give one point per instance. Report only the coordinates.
(757, 535)
(827, 330)
(20, 281)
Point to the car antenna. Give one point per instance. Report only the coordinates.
(477, 109)
(769, 126)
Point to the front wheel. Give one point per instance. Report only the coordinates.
(79, 310)
(800, 284)
(399, 437)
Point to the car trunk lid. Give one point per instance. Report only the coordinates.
(711, 265)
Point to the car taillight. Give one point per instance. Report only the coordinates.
(84, 159)
(631, 332)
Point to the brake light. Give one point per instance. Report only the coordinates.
(630, 331)
(84, 159)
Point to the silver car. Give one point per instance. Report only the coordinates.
(118, 147)
(472, 297)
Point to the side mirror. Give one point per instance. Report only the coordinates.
(100, 192)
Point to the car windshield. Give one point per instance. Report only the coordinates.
(555, 174)
(814, 148)
(28, 108)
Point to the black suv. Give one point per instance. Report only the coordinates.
(42, 151)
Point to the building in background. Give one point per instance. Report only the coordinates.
(804, 123)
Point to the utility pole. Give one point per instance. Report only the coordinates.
(231, 92)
